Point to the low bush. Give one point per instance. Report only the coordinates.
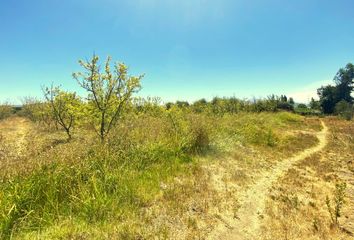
(345, 110)
(200, 141)
(5, 111)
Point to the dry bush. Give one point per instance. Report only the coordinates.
(5, 111)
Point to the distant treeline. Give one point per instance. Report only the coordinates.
(218, 105)
(233, 105)
(335, 99)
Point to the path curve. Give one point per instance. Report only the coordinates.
(247, 224)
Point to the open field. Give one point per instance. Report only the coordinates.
(177, 119)
(262, 176)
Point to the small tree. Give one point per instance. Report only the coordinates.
(109, 91)
(37, 111)
(64, 106)
(315, 105)
(344, 80)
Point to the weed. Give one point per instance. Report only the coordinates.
(335, 211)
(316, 224)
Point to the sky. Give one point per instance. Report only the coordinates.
(187, 49)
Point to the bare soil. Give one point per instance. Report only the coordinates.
(248, 217)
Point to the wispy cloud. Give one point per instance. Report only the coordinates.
(309, 91)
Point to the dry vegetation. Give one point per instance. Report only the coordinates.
(171, 175)
(297, 207)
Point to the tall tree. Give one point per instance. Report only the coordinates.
(331, 95)
(344, 80)
(109, 91)
(327, 96)
(283, 98)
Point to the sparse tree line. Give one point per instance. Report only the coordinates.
(110, 93)
(108, 90)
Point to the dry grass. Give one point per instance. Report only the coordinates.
(208, 202)
(296, 206)
(181, 192)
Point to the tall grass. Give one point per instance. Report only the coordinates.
(5, 111)
(119, 179)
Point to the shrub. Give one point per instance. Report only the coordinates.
(285, 106)
(37, 111)
(199, 140)
(271, 139)
(64, 107)
(344, 110)
(189, 131)
(5, 111)
(303, 106)
(259, 135)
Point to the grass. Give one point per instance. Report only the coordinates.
(150, 174)
(299, 206)
(99, 187)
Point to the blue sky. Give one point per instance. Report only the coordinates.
(188, 49)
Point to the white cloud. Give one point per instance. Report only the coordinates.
(307, 92)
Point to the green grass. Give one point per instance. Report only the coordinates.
(98, 188)
(107, 189)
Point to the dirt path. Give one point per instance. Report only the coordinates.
(14, 131)
(249, 216)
